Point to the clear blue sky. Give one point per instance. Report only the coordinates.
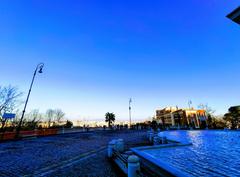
(97, 54)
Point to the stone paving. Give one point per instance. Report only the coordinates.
(80, 154)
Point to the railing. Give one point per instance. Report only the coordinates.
(7, 136)
(46, 132)
(117, 154)
(140, 174)
(31, 133)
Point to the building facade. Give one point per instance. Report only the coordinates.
(181, 118)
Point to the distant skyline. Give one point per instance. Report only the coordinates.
(98, 54)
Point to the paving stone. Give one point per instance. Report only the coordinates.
(35, 156)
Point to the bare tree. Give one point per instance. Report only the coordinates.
(15, 121)
(9, 101)
(59, 115)
(50, 116)
(34, 117)
(207, 108)
(209, 112)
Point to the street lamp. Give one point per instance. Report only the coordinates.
(235, 15)
(38, 69)
(130, 115)
(189, 104)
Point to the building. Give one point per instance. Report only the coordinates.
(181, 118)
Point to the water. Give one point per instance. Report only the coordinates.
(212, 153)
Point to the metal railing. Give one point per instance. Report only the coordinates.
(117, 154)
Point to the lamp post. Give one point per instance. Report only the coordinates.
(130, 115)
(189, 104)
(39, 70)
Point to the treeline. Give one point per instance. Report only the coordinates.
(52, 118)
(11, 99)
(229, 120)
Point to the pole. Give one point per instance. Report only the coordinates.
(130, 116)
(189, 104)
(26, 102)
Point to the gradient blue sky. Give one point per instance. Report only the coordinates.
(97, 54)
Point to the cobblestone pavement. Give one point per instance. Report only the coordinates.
(80, 154)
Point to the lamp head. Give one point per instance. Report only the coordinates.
(40, 69)
(235, 15)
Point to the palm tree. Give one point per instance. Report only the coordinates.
(110, 118)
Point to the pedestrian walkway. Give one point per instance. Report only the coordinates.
(63, 155)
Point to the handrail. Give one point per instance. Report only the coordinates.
(120, 156)
(140, 174)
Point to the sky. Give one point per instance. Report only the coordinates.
(98, 54)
